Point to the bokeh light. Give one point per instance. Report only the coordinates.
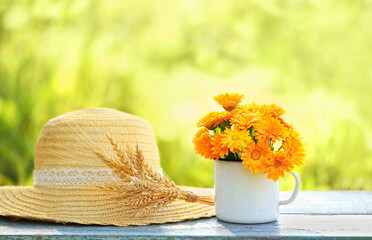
(165, 60)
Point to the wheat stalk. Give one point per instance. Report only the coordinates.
(143, 187)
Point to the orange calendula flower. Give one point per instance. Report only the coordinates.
(288, 126)
(223, 117)
(252, 108)
(212, 119)
(202, 143)
(244, 120)
(277, 165)
(294, 149)
(267, 110)
(238, 110)
(208, 120)
(235, 139)
(218, 149)
(263, 111)
(242, 109)
(270, 128)
(276, 111)
(254, 155)
(254, 133)
(228, 101)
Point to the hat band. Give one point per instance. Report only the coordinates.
(73, 176)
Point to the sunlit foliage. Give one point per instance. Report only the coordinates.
(165, 60)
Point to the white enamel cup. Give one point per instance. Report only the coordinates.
(243, 197)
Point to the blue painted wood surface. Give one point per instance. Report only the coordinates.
(342, 215)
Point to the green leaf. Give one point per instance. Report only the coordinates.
(218, 130)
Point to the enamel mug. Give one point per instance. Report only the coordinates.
(243, 197)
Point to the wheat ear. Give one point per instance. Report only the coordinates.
(141, 186)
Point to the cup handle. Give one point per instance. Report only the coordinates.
(295, 190)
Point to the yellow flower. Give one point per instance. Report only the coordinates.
(228, 101)
(242, 109)
(270, 128)
(212, 119)
(254, 155)
(276, 111)
(276, 165)
(235, 139)
(252, 108)
(218, 150)
(294, 149)
(244, 120)
(239, 124)
(202, 143)
(267, 110)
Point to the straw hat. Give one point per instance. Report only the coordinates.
(102, 166)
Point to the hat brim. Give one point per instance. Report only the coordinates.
(88, 206)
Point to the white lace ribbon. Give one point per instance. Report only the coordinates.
(47, 177)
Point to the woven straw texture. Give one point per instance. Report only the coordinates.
(66, 144)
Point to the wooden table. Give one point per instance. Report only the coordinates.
(314, 214)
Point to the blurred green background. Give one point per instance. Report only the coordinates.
(165, 60)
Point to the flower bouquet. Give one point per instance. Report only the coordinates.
(255, 135)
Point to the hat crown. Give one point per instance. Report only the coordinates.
(69, 141)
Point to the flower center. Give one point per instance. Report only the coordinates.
(235, 137)
(229, 108)
(277, 164)
(255, 155)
